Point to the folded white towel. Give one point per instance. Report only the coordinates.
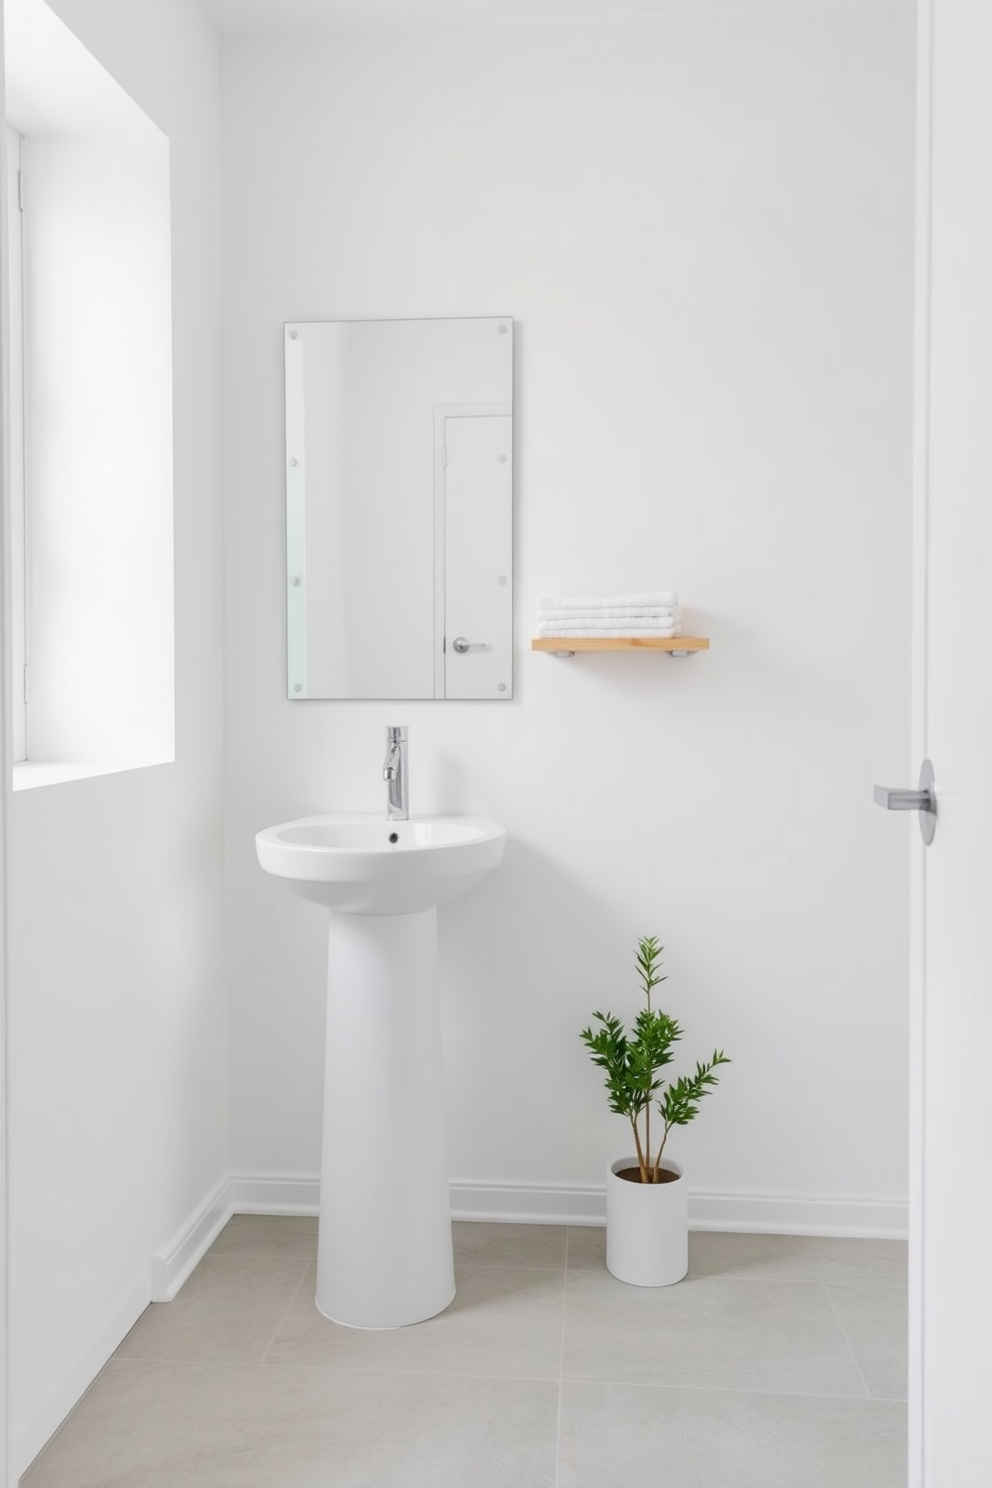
(547, 628)
(596, 622)
(616, 615)
(663, 597)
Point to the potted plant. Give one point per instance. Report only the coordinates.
(647, 1210)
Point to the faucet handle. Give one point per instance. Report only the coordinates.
(395, 735)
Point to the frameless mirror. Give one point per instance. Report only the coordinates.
(399, 481)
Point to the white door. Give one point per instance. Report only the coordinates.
(478, 480)
(951, 1228)
(5, 764)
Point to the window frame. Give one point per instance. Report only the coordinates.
(18, 503)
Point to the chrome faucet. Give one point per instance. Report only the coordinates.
(395, 774)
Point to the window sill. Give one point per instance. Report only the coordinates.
(30, 774)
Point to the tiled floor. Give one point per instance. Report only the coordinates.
(778, 1363)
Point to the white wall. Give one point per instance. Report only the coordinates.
(703, 227)
(117, 1101)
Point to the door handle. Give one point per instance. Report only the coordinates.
(923, 800)
(461, 645)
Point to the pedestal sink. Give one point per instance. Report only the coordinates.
(384, 1251)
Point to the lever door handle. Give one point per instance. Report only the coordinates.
(923, 800)
(461, 645)
(890, 798)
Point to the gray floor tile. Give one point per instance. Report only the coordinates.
(707, 1333)
(509, 1244)
(757, 1371)
(505, 1321)
(267, 1234)
(162, 1425)
(586, 1248)
(799, 1258)
(876, 1322)
(615, 1435)
(228, 1310)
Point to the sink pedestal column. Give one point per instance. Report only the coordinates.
(384, 1251)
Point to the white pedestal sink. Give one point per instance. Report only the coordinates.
(384, 1249)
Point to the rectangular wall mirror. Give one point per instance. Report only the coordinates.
(399, 494)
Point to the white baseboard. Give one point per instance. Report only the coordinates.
(175, 1263)
(75, 1379)
(290, 1193)
(572, 1204)
(236, 1194)
(530, 1203)
(800, 1214)
(763, 1214)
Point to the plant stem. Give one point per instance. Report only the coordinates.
(657, 1166)
(646, 1171)
(642, 1165)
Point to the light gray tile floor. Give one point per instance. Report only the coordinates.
(778, 1362)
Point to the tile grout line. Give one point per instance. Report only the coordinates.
(628, 1384)
(502, 1266)
(282, 1316)
(537, 1379)
(843, 1334)
(238, 1366)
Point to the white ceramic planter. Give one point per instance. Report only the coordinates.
(647, 1227)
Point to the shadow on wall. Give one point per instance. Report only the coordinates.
(519, 962)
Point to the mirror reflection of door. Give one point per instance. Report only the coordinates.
(386, 547)
(474, 480)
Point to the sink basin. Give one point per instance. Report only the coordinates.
(367, 865)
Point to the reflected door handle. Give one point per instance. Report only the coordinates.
(461, 645)
(923, 800)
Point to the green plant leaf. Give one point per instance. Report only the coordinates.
(680, 1103)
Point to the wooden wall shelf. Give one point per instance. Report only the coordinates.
(568, 645)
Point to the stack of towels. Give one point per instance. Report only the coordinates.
(656, 614)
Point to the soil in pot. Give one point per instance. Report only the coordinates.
(633, 1175)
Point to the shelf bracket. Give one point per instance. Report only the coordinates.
(675, 655)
